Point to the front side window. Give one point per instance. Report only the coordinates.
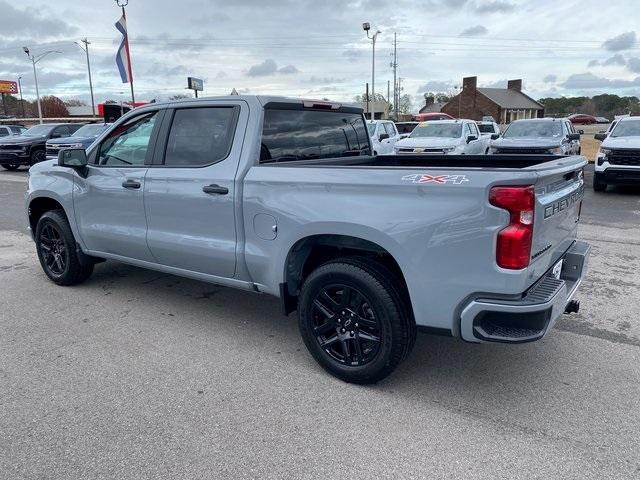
(309, 134)
(127, 144)
(390, 130)
(200, 136)
(61, 132)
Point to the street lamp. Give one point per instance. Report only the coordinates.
(366, 27)
(86, 50)
(35, 59)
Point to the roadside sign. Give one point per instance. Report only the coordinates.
(7, 86)
(195, 84)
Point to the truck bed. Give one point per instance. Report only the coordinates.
(432, 161)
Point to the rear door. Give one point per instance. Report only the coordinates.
(189, 191)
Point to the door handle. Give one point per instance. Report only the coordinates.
(215, 189)
(131, 184)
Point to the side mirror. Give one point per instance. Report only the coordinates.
(383, 136)
(600, 136)
(495, 136)
(72, 158)
(471, 138)
(574, 136)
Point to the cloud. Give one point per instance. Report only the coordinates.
(497, 6)
(270, 67)
(288, 70)
(325, 80)
(474, 31)
(551, 78)
(624, 41)
(353, 54)
(617, 59)
(589, 80)
(31, 22)
(436, 86)
(593, 63)
(633, 64)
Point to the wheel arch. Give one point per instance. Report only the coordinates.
(311, 251)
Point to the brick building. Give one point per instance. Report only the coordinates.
(503, 104)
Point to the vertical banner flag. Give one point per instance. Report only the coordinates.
(123, 59)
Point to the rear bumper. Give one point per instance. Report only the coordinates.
(530, 317)
(619, 176)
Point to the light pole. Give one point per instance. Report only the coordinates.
(86, 50)
(21, 101)
(35, 60)
(366, 27)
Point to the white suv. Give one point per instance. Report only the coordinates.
(618, 159)
(440, 137)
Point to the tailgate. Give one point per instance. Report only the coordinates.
(559, 195)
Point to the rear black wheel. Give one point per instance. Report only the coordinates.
(353, 321)
(10, 166)
(57, 250)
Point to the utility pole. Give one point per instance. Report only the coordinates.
(399, 92)
(35, 60)
(388, 86)
(86, 51)
(21, 101)
(394, 65)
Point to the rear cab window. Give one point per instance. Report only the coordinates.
(292, 133)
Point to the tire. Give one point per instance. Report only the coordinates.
(10, 167)
(598, 186)
(38, 156)
(58, 251)
(374, 322)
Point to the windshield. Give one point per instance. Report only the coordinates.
(534, 129)
(437, 130)
(627, 129)
(39, 131)
(90, 130)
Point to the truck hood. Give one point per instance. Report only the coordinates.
(621, 142)
(21, 139)
(428, 142)
(67, 140)
(527, 142)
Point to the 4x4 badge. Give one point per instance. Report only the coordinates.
(440, 179)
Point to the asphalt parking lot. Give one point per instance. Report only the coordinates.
(136, 374)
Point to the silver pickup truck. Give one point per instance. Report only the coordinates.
(283, 197)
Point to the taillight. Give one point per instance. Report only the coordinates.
(513, 250)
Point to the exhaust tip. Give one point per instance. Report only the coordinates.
(572, 307)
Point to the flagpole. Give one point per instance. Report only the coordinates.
(126, 46)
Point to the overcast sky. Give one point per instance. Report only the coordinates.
(318, 49)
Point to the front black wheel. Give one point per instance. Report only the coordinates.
(38, 156)
(598, 185)
(57, 250)
(353, 320)
(10, 167)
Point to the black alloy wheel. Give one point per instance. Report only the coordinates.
(55, 252)
(345, 325)
(10, 166)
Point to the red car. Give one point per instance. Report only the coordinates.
(423, 117)
(582, 119)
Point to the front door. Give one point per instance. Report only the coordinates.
(108, 203)
(189, 192)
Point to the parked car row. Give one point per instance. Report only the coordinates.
(30, 146)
